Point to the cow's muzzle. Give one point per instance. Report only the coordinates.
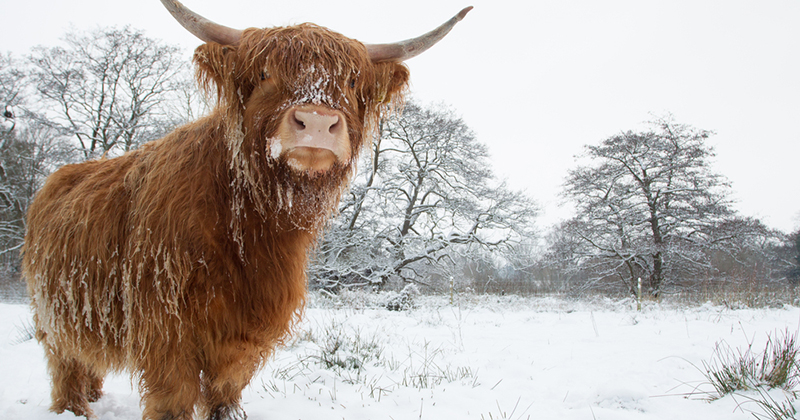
(313, 138)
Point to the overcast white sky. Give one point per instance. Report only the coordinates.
(537, 80)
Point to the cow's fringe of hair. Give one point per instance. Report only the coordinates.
(231, 73)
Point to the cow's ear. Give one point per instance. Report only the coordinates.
(392, 81)
(399, 83)
(216, 69)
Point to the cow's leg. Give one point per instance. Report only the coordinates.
(228, 371)
(74, 384)
(170, 388)
(94, 388)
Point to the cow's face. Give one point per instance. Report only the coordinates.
(305, 95)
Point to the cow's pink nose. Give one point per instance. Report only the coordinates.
(314, 122)
(313, 138)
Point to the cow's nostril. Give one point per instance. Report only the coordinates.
(299, 122)
(334, 127)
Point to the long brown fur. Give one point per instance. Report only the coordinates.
(184, 262)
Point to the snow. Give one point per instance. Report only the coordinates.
(483, 358)
(275, 147)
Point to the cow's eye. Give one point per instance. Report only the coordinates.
(264, 75)
(352, 83)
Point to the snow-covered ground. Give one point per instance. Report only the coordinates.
(484, 358)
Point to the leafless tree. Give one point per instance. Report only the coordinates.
(27, 156)
(12, 80)
(28, 152)
(106, 88)
(647, 204)
(425, 192)
(186, 101)
(105, 91)
(788, 257)
(12, 84)
(794, 266)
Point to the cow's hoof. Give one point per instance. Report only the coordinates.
(230, 412)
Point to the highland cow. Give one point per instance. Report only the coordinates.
(184, 262)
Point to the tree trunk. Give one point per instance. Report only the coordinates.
(657, 278)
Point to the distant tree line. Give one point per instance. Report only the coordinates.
(425, 207)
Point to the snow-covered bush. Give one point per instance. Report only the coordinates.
(404, 300)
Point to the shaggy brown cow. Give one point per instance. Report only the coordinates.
(184, 261)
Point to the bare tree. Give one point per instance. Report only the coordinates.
(12, 84)
(28, 152)
(186, 102)
(789, 257)
(12, 80)
(27, 156)
(647, 204)
(106, 89)
(426, 191)
(794, 271)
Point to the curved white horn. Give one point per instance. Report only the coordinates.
(201, 27)
(403, 50)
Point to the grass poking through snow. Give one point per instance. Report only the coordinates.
(356, 357)
(756, 376)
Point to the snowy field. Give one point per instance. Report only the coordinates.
(484, 358)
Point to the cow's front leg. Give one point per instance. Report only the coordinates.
(75, 384)
(227, 372)
(171, 390)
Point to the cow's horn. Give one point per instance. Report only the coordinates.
(409, 48)
(201, 27)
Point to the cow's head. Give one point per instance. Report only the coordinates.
(306, 94)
